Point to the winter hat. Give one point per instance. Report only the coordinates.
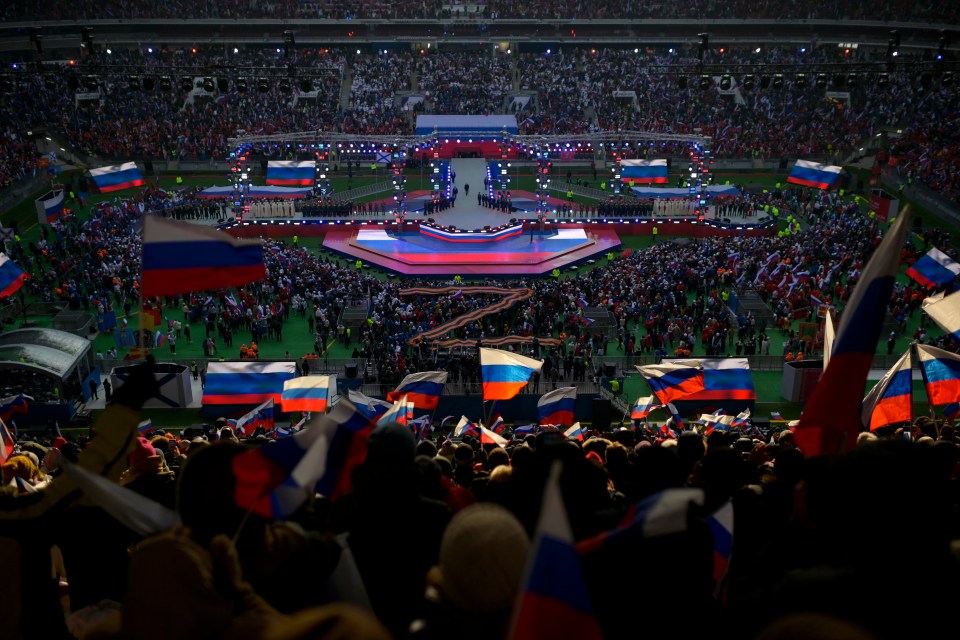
(142, 450)
(391, 444)
(471, 534)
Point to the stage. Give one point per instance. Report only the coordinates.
(416, 254)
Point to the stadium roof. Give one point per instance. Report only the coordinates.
(50, 349)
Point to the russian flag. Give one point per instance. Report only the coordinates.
(525, 430)
(582, 303)
(12, 405)
(814, 174)
(7, 443)
(489, 437)
(574, 433)
(721, 529)
(555, 602)
(348, 430)
(370, 407)
(724, 379)
(742, 419)
(422, 389)
(291, 173)
(716, 422)
(830, 421)
(891, 399)
(504, 374)
(53, 205)
(401, 412)
(498, 426)
(935, 269)
(941, 374)
(644, 171)
(12, 276)
(952, 410)
(145, 428)
(660, 514)
(261, 416)
(557, 407)
(308, 393)
(671, 382)
(180, 257)
(642, 408)
(466, 427)
(274, 480)
(945, 311)
(246, 382)
(116, 177)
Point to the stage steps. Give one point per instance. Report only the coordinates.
(354, 315)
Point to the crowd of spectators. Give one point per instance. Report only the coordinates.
(465, 82)
(899, 11)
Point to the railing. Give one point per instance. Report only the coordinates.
(366, 190)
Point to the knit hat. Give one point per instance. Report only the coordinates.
(142, 449)
(474, 532)
(391, 444)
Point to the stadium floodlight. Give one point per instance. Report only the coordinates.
(705, 82)
(209, 85)
(893, 44)
(726, 82)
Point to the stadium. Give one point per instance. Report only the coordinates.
(306, 305)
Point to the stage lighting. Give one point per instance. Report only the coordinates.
(765, 82)
(6, 83)
(726, 82)
(133, 83)
(852, 80)
(705, 82)
(778, 81)
(91, 83)
(186, 84)
(704, 43)
(241, 84)
(748, 81)
(947, 78)
(209, 85)
(821, 80)
(50, 81)
(86, 40)
(801, 80)
(893, 44)
(166, 83)
(148, 83)
(883, 80)
(285, 85)
(288, 42)
(263, 85)
(223, 85)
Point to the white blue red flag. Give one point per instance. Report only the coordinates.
(891, 399)
(934, 269)
(504, 374)
(557, 406)
(259, 417)
(308, 393)
(422, 389)
(12, 276)
(814, 174)
(945, 311)
(117, 176)
(291, 173)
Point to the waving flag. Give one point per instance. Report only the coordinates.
(814, 174)
(945, 311)
(291, 173)
(716, 422)
(830, 421)
(891, 399)
(489, 437)
(574, 433)
(246, 382)
(557, 407)
(555, 602)
(12, 276)
(952, 410)
(941, 374)
(724, 380)
(53, 204)
(179, 257)
(370, 407)
(146, 428)
(504, 374)
(116, 177)
(308, 393)
(260, 417)
(829, 337)
(466, 428)
(660, 514)
(642, 408)
(7, 443)
(525, 430)
(721, 529)
(644, 171)
(13, 405)
(348, 430)
(935, 269)
(421, 427)
(422, 389)
(498, 426)
(742, 419)
(671, 382)
(401, 412)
